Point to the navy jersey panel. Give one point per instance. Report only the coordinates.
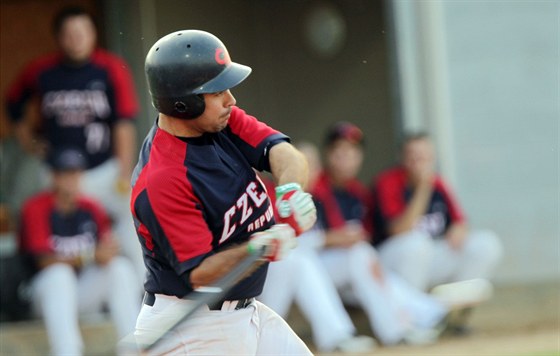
(437, 217)
(79, 105)
(350, 206)
(193, 197)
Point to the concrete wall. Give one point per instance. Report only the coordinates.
(504, 80)
(500, 66)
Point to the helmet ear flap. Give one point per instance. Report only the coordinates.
(187, 107)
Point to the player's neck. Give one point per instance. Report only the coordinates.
(176, 127)
(65, 203)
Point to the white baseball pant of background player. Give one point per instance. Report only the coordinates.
(302, 278)
(253, 330)
(59, 295)
(396, 311)
(425, 262)
(100, 183)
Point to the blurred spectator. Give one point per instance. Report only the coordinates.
(420, 230)
(87, 100)
(302, 279)
(69, 240)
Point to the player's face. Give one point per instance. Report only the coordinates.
(77, 38)
(67, 183)
(216, 114)
(344, 160)
(418, 156)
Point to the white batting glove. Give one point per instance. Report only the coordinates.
(295, 207)
(277, 242)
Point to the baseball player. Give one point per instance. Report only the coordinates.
(420, 229)
(86, 100)
(78, 268)
(199, 207)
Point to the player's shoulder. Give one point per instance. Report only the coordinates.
(392, 175)
(43, 62)
(40, 201)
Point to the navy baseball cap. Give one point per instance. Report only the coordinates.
(67, 159)
(344, 130)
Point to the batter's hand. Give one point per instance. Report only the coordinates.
(277, 242)
(295, 207)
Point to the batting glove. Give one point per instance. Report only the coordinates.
(276, 242)
(295, 207)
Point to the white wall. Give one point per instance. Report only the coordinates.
(504, 84)
(501, 69)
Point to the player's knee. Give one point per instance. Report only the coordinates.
(60, 275)
(486, 245)
(417, 248)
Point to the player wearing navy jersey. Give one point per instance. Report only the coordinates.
(69, 239)
(86, 100)
(199, 207)
(420, 230)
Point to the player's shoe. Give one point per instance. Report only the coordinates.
(463, 294)
(421, 337)
(359, 344)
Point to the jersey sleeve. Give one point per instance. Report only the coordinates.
(390, 200)
(22, 89)
(35, 227)
(179, 226)
(126, 102)
(455, 212)
(253, 138)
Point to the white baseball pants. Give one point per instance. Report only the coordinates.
(302, 278)
(253, 330)
(100, 183)
(393, 307)
(425, 262)
(59, 296)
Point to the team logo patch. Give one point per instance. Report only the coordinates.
(222, 57)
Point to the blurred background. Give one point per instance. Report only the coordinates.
(482, 77)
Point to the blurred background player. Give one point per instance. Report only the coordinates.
(420, 229)
(301, 275)
(78, 270)
(86, 100)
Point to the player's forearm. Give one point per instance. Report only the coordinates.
(416, 207)
(288, 165)
(125, 147)
(217, 266)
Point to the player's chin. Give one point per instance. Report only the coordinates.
(219, 127)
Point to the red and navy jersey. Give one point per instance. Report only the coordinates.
(79, 105)
(391, 194)
(337, 206)
(45, 230)
(193, 197)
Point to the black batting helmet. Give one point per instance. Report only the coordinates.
(185, 64)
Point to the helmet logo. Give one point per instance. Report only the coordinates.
(222, 57)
